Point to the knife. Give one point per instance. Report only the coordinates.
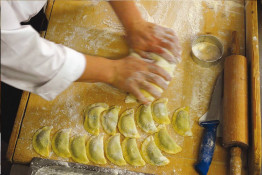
(210, 122)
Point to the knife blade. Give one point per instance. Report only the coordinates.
(210, 121)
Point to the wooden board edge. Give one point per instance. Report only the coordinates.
(49, 8)
(43, 33)
(17, 126)
(252, 54)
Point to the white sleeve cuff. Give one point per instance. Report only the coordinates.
(71, 70)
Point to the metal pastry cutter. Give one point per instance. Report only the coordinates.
(207, 50)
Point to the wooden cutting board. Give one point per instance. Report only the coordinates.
(92, 28)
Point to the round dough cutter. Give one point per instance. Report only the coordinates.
(207, 50)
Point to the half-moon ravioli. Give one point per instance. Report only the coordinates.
(95, 149)
(126, 124)
(92, 117)
(131, 152)
(145, 120)
(152, 154)
(180, 122)
(109, 119)
(159, 111)
(60, 143)
(165, 142)
(41, 141)
(78, 149)
(113, 150)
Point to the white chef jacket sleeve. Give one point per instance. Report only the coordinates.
(34, 64)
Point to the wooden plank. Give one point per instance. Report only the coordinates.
(93, 28)
(49, 7)
(17, 126)
(252, 54)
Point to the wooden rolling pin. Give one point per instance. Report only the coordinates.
(235, 117)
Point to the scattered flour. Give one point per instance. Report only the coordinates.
(187, 23)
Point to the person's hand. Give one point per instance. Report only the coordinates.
(132, 74)
(144, 37)
(129, 74)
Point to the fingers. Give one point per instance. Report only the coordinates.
(171, 58)
(150, 88)
(133, 74)
(143, 54)
(134, 89)
(168, 56)
(159, 81)
(175, 49)
(156, 49)
(149, 82)
(167, 39)
(154, 38)
(170, 31)
(174, 39)
(173, 46)
(170, 44)
(172, 54)
(159, 71)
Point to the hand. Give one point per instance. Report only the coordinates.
(132, 74)
(129, 74)
(146, 37)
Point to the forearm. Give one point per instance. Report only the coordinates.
(127, 12)
(98, 69)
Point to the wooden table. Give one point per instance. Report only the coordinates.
(92, 28)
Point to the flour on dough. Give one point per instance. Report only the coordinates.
(160, 112)
(131, 152)
(180, 122)
(165, 142)
(152, 154)
(78, 149)
(109, 119)
(95, 149)
(145, 120)
(60, 143)
(113, 150)
(41, 141)
(92, 117)
(126, 124)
